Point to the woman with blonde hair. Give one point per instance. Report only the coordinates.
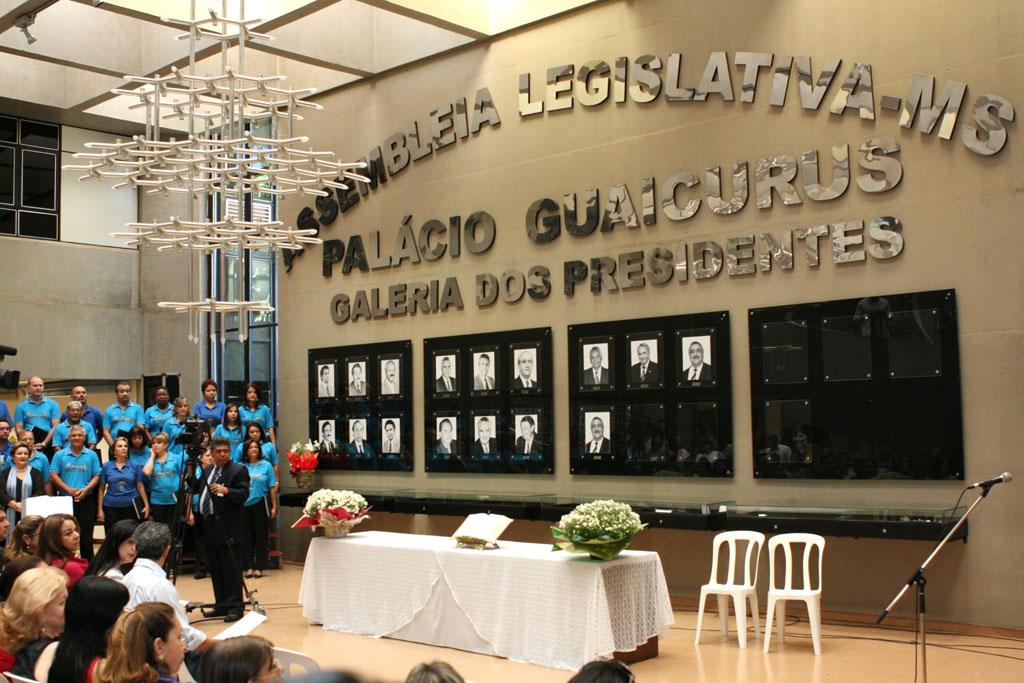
(145, 646)
(33, 616)
(25, 538)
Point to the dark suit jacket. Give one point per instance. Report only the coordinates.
(228, 508)
(588, 377)
(606, 446)
(706, 374)
(536, 447)
(350, 448)
(37, 485)
(439, 448)
(519, 384)
(439, 385)
(492, 447)
(653, 373)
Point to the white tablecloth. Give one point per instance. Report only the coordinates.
(522, 601)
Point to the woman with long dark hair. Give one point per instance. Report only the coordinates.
(138, 445)
(260, 507)
(19, 482)
(25, 538)
(241, 660)
(231, 428)
(252, 411)
(122, 493)
(209, 409)
(254, 432)
(117, 554)
(59, 543)
(93, 607)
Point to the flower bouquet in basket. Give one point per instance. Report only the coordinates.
(602, 529)
(303, 458)
(334, 511)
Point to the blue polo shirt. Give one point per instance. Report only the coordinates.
(5, 413)
(214, 415)
(118, 419)
(172, 428)
(261, 479)
(163, 483)
(234, 436)
(121, 483)
(41, 463)
(260, 416)
(41, 414)
(140, 458)
(5, 453)
(269, 453)
(61, 431)
(76, 470)
(155, 417)
(90, 415)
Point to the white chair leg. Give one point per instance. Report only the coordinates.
(814, 616)
(700, 617)
(755, 614)
(740, 602)
(723, 614)
(768, 624)
(780, 619)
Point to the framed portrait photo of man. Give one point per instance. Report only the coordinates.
(646, 366)
(390, 373)
(446, 373)
(357, 386)
(327, 435)
(485, 365)
(530, 451)
(326, 371)
(444, 450)
(596, 433)
(525, 370)
(597, 363)
(485, 451)
(696, 353)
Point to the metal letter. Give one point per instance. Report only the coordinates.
(716, 78)
(618, 209)
(780, 80)
(427, 231)
(631, 268)
(647, 201)
(397, 154)
(355, 256)
(886, 231)
(660, 265)
(451, 295)
(602, 273)
(752, 63)
(619, 79)
(856, 93)
(328, 208)
(377, 262)
(668, 196)
(572, 224)
(707, 260)
(673, 91)
(846, 235)
(405, 244)
(871, 158)
(573, 272)
(486, 240)
(486, 290)
(682, 265)
(995, 132)
(339, 309)
(484, 111)
(737, 249)
(441, 125)
(840, 174)
(713, 179)
(781, 183)
(396, 300)
(551, 221)
(947, 106)
(811, 93)
(455, 236)
(417, 150)
(538, 280)
(333, 251)
(513, 286)
(592, 83)
(526, 107)
(811, 236)
(647, 83)
(559, 81)
(780, 252)
(459, 117)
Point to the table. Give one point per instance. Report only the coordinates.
(521, 601)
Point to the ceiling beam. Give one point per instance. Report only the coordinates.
(426, 18)
(306, 59)
(28, 7)
(39, 57)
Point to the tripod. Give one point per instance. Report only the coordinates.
(917, 580)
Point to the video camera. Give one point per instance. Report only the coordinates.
(9, 378)
(191, 436)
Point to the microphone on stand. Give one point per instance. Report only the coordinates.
(988, 483)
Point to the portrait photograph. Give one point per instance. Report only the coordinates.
(356, 378)
(525, 360)
(645, 366)
(596, 433)
(596, 364)
(696, 364)
(327, 435)
(485, 436)
(446, 373)
(527, 427)
(485, 362)
(446, 436)
(390, 436)
(390, 375)
(358, 446)
(325, 379)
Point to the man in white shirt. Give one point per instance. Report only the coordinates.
(390, 443)
(147, 582)
(389, 385)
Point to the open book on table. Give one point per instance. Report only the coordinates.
(481, 530)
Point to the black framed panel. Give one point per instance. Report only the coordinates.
(652, 397)
(489, 403)
(29, 178)
(864, 388)
(359, 395)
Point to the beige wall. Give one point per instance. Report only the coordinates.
(960, 212)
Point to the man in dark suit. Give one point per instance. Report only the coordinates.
(595, 374)
(445, 384)
(527, 443)
(359, 449)
(598, 444)
(223, 491)
(525, 380)
(485, 444)
(645, 371)
(698, 370)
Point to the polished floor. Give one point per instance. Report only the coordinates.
(850, 653)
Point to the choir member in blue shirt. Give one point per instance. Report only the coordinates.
(138, 446)
(37, 413)
(174, 427)
(5, 413)
(39, 461)
(231, 428)
(160, 412)
(122, 415)
(253, 411)
(122, 494)
(18, 483)
(259, 509)
(75, 472)
(164, 473)
(209, 409)
(254, 432)
(74, 417)
(90, 414)
(6, 426)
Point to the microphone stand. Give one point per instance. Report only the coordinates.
(917, 580)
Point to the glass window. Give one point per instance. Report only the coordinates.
(7, 222)
(39, 134)
(6, 175)
(38, 180)
(35, 224)
(784, 349)
(8, 129)
(29, 180)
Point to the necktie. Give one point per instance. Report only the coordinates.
(487, 382)
(593, 448)
(597, 377)
(526, 447)
(643, 372)
(693, 373)
(526, 383)
(484, 444)
(359, 447)
(207, 504)
(387, 447)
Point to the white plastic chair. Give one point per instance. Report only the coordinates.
(290, 659)
(810, 592)
(14, 678)
(742, 588)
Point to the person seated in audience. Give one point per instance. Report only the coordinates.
(32, 617)
(122, 493)
(164, 473)
(117, 554)
(12, 570)
(145, 646)
(209, 409)
(247, 659)
(25, 539)
(434, 672)
(231, 428)
(59, 541)
(94, 606)
(61, 431)
(138, 446)
(160, 412)
(147, 582)
(38, 461)
(598, 671)
(19, 482)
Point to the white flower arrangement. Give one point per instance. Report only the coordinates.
(601, 519)
(307, 446)
(330, 499)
